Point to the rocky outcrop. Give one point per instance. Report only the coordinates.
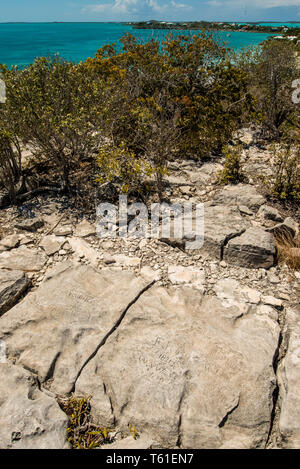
(187, 370)
(192, 348)
(29, 419)
(56, 329)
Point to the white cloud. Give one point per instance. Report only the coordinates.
(119, 6)
(128, 7)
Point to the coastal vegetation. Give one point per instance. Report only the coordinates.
(120, 117)
(218, 26)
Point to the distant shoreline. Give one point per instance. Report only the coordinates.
(272, 28)
(136, 22)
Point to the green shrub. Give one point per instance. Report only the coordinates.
(271, 73)
(179, 98)
(52, 105)
(232, 172)
(120, 165)
(285, 182)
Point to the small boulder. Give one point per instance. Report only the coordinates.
(85, 229)
(12, 285)
(32, 224)
(240, 194)
(10, 242)
(253, 249)
(270, 213)
(288, 228)
(65, 230)
(23, 258)
(52, 244)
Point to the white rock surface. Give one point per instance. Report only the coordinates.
(52, 244)
(60, 325)
(182, 369)
(289, 380)
(23, 258)
(191, 276)
(29, 419)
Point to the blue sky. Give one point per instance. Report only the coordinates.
(133, 10)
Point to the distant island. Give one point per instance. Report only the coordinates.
(218, 26)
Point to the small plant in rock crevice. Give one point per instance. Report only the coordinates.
(82, 432)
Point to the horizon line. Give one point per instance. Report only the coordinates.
(145, 21)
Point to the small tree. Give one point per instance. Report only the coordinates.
(272, 77)
(52, 106)
(285, 182)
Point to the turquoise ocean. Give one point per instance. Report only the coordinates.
(21, 43)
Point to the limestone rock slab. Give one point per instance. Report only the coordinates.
(289, 380)
(29, 419)
(184, 371)
(240, 194)
(23, 258)
(60, 325)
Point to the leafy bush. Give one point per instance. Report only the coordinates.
(150, 103)
(178, 98)
(120, 165)
(271, 71)
(285, 182)
(52, 105)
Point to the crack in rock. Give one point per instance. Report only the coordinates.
(225, 418)
(279, 355)
(112, 330)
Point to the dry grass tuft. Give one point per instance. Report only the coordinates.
(288, 251)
